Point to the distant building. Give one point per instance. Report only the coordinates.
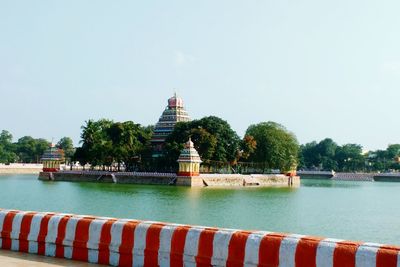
(173, 113)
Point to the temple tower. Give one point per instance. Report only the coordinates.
(173, 113)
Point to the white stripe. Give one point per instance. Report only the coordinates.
(114, 258)
(366, 254)
(52, 232)
(3, 214)
(50, 249)
(16, 225)
(287, 250)
(220, 246)
(325, 252)
(116, 239)
(16, 230)
(69, 238)
(35, 226)
(165, 244)
(94, 233)
(34, 232)
(33, 247)
(67, 252)
(140, 243)
(116, 236)
(191, 246)
(70, 231)
(93, 256)
(252, 248)
(52, 228)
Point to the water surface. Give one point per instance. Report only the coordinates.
(367, 211)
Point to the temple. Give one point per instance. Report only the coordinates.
(52, 158)
(173, 113)
(189, 161)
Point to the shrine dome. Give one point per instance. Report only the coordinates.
(189, 153)
(175, 102)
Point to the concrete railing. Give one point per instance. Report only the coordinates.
(121, 242)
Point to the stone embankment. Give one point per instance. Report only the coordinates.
(342, 176)
(221, 180)
(124, 242)
(17, 168)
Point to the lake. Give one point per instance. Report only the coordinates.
(367, 211)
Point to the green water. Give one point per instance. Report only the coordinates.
(347, 210)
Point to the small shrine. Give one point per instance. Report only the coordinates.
(52, 159)
(189, 161)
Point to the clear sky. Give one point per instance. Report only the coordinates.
(320, 68)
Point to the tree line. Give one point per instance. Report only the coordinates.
(105, 143)
(28, 149)
(328, 155)
(265, 146)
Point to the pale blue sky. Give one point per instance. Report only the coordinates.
(321, 68)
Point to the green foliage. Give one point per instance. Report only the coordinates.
(327, 155)
(67, 145)
(30, 150)
(105, 142)
(349, 157)
(7, 148)
(319, 155)
(213, 137)
(276, 147)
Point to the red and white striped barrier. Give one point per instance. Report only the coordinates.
(120, 242)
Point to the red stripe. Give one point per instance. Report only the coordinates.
(345, 254)
(306, 252)
(24, 232)
(127, 242)
(105, 240)
(7, 228)
(44, 224)
(178, 245)
(387, 256)
(205, 250)
(62, 226)
(237, 248)
(79, 246)
(269, 250)
(152, 245)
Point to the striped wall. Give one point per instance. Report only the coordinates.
(121, 242)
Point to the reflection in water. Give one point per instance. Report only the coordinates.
(349, 210)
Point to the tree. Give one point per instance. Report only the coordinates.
(7, 148)
(105, 142)
(31, 150)
(67, 145)
(247, 147)
(95, 143)
(349, 157)
(129, 142)
(213, 138)
(276, 148)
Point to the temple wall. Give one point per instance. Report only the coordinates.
(221, 180)
(123, 242)
(20, 168)
(103, 177)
